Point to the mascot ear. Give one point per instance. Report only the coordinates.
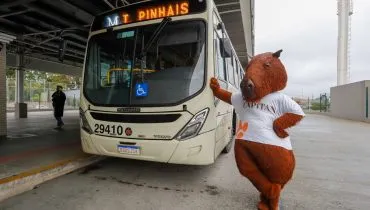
(277, 53)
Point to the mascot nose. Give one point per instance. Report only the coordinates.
(247, 88)
(250, 88)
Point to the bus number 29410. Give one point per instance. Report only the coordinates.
(108, 129)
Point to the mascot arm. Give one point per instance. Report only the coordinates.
(221, 94)
(286, 121)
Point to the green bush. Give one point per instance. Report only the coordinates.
(35, 97)
(315, 106)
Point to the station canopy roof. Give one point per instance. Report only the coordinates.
(39, 25)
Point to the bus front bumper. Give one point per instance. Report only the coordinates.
(199, 150)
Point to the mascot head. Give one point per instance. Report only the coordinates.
(264, 74)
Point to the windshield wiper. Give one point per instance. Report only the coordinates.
(156, 33)
(145, 49)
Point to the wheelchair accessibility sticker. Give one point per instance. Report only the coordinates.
(141, 89)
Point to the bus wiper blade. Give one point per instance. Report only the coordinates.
(156, 33)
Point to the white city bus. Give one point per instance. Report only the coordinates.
(146, 91)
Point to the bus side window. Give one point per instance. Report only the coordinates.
(219, 61)
(230, 70)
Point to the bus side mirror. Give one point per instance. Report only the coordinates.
(225, 48)
(221, 26)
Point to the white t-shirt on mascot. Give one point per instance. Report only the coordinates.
(261, 116)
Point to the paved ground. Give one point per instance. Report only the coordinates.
(40, 123)
(333, 170)
(33, 142)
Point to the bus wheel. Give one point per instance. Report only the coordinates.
(228, 147)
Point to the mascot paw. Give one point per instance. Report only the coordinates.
(262, 206)
(279, 131)
(274, 204)
(214, 84)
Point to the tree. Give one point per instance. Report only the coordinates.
(35, 75)
(10, 72)
(37, 82)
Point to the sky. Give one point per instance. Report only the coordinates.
(307, 31)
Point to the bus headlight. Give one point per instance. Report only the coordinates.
(194, 126)
(84, 123)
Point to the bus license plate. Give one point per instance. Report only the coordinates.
(131, 150)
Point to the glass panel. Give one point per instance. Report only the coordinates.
(119, 73)
(219, 60)
(230, 70)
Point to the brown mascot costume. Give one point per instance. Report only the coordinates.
(263, 150)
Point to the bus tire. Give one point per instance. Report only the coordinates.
(228, 147)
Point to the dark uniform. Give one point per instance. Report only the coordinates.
(59, 99)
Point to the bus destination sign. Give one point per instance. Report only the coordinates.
(148, 11)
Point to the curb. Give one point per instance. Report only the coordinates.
(20, 183)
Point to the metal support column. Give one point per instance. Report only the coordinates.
(20, 106)
(3, 123)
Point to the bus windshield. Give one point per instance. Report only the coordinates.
(171, 70)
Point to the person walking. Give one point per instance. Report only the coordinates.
(58, 99)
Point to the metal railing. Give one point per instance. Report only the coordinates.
(38, 94)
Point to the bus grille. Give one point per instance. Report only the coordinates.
(164, 118)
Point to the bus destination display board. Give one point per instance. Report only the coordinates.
(148, 11)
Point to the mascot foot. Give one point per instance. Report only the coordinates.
(263, 204)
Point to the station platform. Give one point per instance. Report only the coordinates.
(332, 158)
(33, 142)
